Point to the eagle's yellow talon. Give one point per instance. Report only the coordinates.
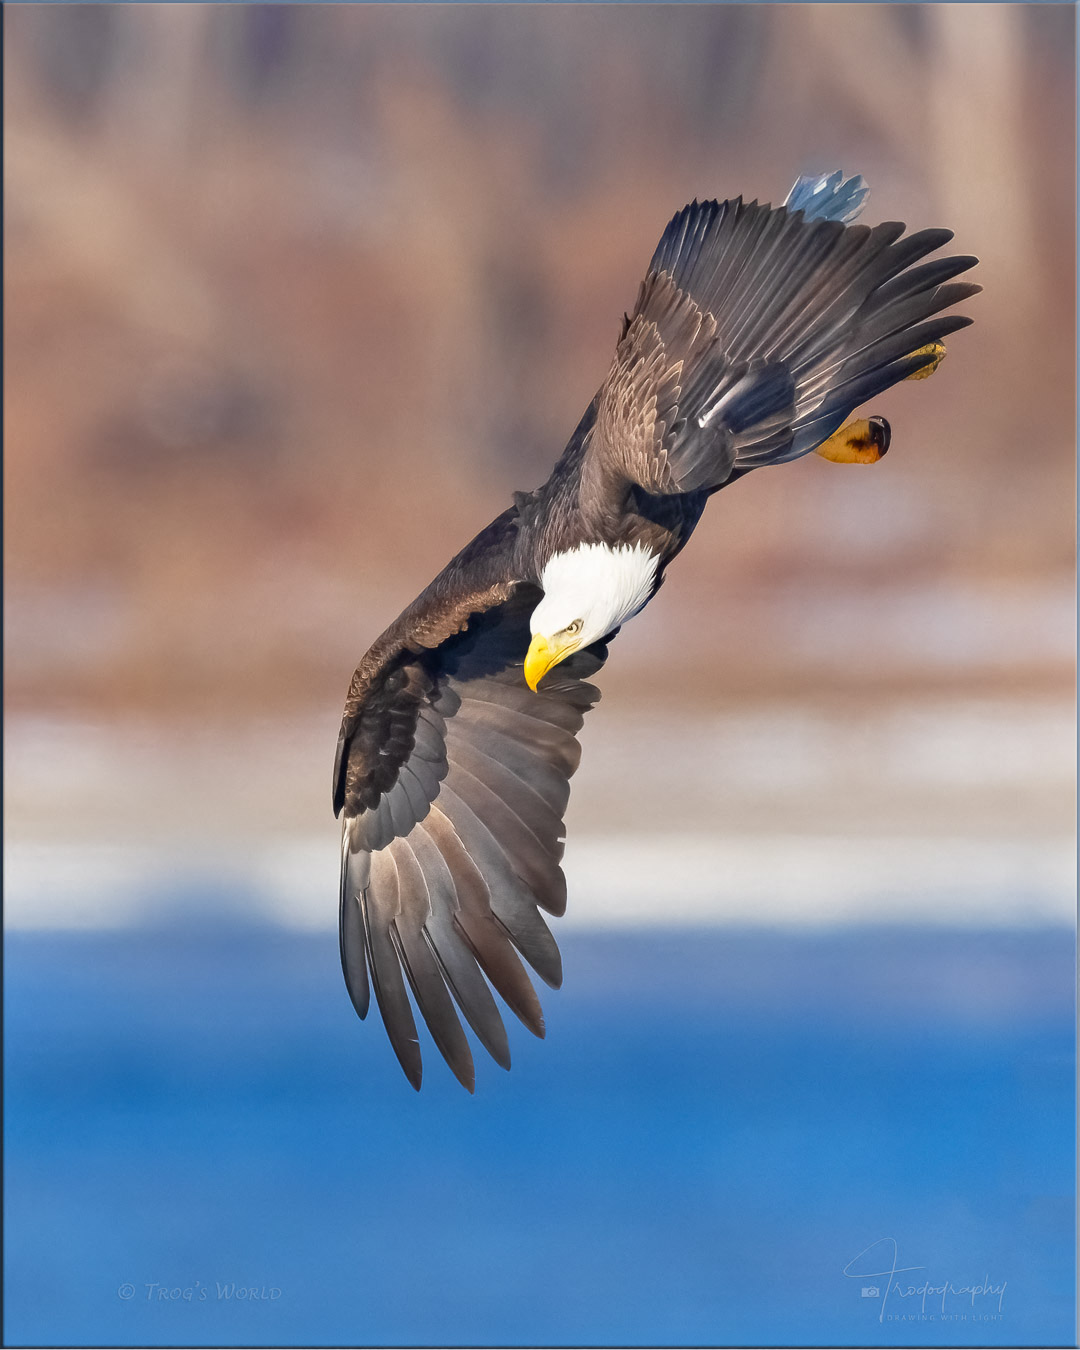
(935, 354)
(864, 441)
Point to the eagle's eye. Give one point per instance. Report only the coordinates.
(574, 627)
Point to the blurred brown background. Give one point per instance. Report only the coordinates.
(297, 295)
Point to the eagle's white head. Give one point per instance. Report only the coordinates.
(588, 591)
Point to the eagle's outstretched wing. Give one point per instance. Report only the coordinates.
(758, 331)
(452, 777)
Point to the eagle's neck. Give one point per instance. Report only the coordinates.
(603, 585)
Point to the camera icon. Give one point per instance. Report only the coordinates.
(871, 1291)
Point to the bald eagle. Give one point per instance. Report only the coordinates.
(757, 332)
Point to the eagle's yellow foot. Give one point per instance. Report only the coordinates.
(934, 353)
(864, 441)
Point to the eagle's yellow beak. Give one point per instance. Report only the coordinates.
(542, 655)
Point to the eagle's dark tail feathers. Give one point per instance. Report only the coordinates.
(813, 316)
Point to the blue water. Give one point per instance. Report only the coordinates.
(718, 1124)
